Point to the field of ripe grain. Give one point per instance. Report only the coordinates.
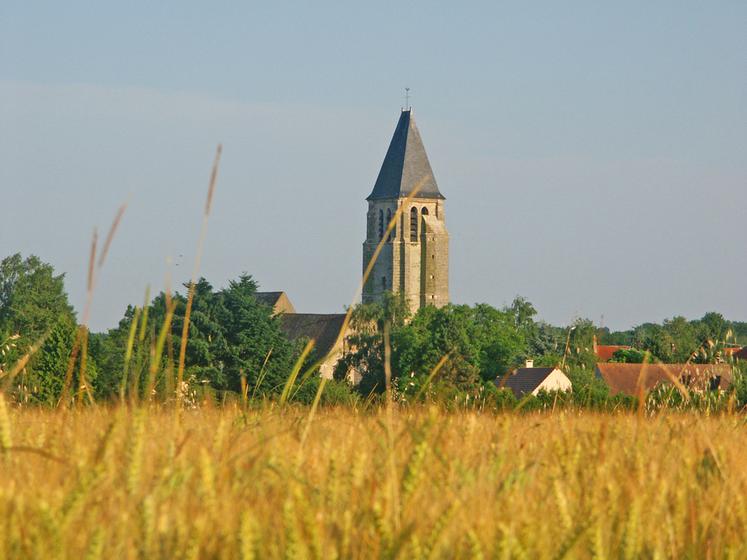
(223, 483)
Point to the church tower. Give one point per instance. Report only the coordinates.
(415, 258)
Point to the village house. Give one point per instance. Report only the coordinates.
(605, 352)
(629, 379)
(532, 380)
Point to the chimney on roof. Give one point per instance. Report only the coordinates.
(529, 363)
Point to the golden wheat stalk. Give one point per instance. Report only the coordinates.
(195, 271)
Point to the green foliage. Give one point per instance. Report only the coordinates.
(678, 340)
(630, 356)
(44, 382)
(739, 385)
(231, 334)
(34, 305)
(479, 342)
(32, 297)
(450, 355)
(547, 340)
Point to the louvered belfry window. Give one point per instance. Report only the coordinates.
(414, 224)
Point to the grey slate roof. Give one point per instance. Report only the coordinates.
(323, 329)
(525, 380)
(405, 165)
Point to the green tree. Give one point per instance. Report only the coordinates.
(231, 334)
(656, 340)
(252, 333)
(479, 342)
(684, 338)
(34, 304)
(501, 336)
(32, 297)
(44, 381)
(547, 343)
(630, 356)
(579, 351)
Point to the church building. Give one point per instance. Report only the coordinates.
(414, 260)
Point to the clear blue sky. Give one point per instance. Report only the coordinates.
(593, 154)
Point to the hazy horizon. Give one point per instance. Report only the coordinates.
(592, 157)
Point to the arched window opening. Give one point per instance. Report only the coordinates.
(381, 224)
(414, 224)
(424, 211)
(389, 221)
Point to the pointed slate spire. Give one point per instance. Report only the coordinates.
(405, 165)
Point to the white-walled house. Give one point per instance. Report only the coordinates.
(532, 380)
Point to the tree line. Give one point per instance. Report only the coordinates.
(236, 347)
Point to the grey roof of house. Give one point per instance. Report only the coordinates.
(323, 329)
(405, 165)
(525, 380)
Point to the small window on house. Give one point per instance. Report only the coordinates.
(383, 283)
(381, 224)
(715, 383)
(414, 224)
(389, 221)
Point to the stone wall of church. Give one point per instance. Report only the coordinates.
(383, 277)
(415, 259)
(434, 271)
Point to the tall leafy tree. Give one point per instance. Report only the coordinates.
(684, 338)
(32, 297)
(34, 304)
(231, 335)
(481, 342)
(254, 341)
(44, 381)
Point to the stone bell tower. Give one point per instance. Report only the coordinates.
(415, 257)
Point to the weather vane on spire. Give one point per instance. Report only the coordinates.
(407, 99)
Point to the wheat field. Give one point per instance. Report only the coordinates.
(214, 482)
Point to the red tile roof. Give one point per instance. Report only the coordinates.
(624, 378)
(604, 353)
